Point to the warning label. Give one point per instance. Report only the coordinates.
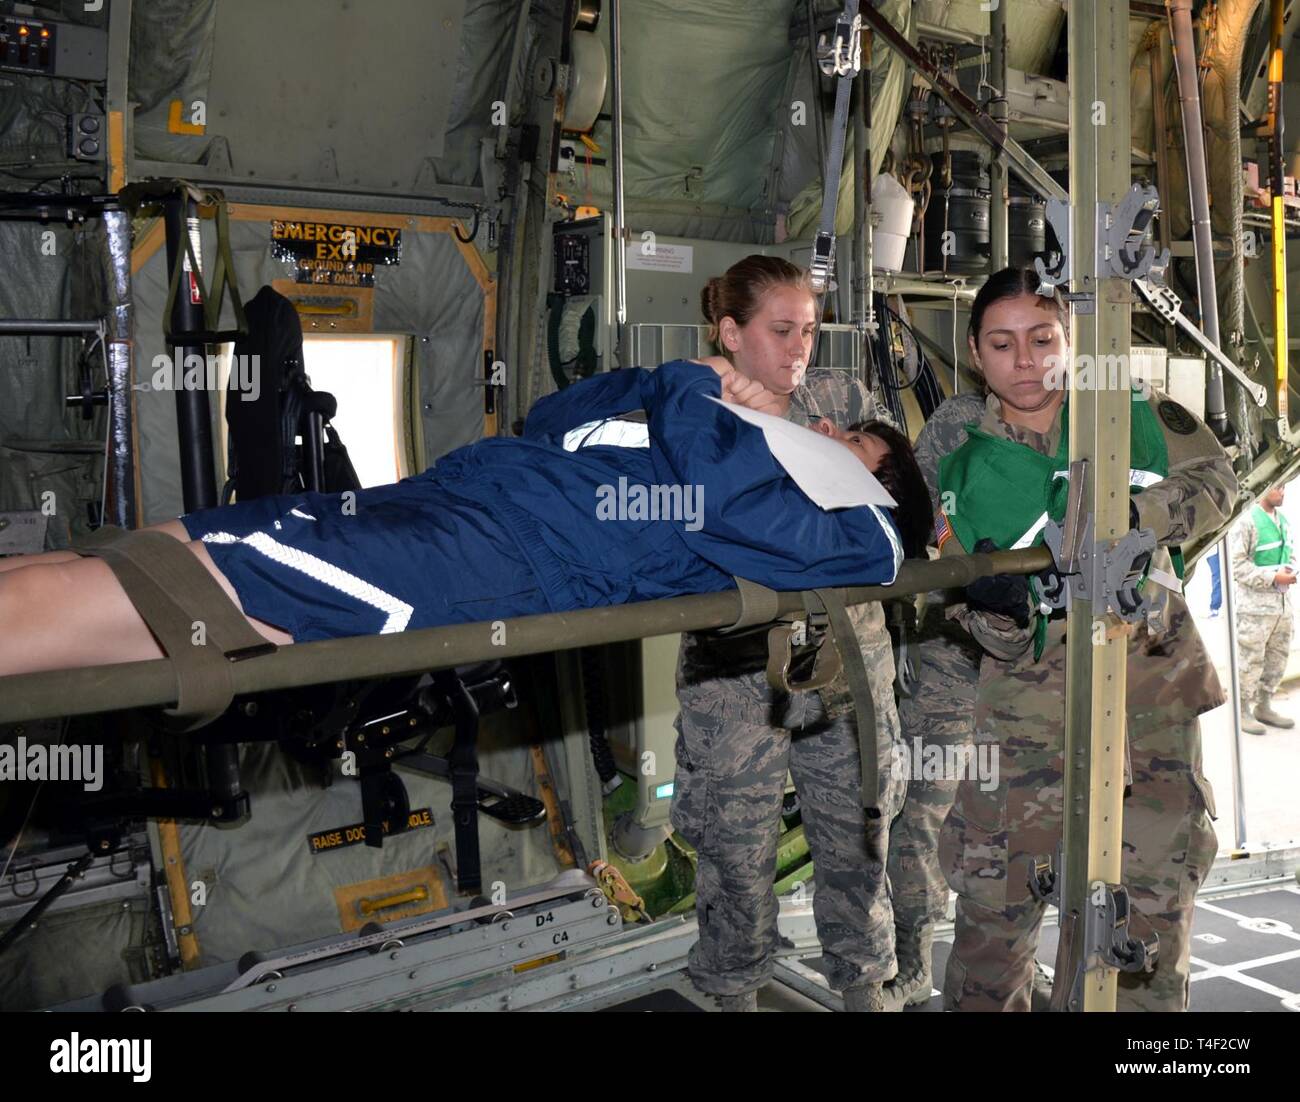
(651, 256)
(355, 834)
(335, 255)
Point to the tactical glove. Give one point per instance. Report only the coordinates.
(1003, 594)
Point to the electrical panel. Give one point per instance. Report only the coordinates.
(579, 258)
(43, 47)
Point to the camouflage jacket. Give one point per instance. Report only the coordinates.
(836, 395)
(1257, 593)
(941, 435)
(1168, 664)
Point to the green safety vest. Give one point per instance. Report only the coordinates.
(996, 489)
(1273, 547)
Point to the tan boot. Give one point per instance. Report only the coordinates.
(1251, 725)
(866, 998)
(912, 985)
(1264, 712)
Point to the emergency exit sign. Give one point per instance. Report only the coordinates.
(335, 254)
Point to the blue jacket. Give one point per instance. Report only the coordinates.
(757, 523)
(513, 527)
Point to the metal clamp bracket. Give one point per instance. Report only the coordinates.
(1109, 571)
(822, 265)
(1106, 938)
(1056, 273)
(842, 56)
(1121, 253)
(1104, 572)
(1120, 230)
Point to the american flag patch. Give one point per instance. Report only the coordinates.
(942, 530)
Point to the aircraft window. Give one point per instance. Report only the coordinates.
(367, 376)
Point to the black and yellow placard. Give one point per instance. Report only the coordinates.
(325, 840)
(335, 254)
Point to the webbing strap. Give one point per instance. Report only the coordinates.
(780, 655)
(223, 277)
(855, 671)
(199, 628)
(758, 605)
(845, 62)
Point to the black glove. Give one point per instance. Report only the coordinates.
(1004, 594)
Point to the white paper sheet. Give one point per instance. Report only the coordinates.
(824, 469)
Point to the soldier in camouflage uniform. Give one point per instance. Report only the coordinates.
(940, 712)
(1261, 567)
(738, 735)
(991, 838)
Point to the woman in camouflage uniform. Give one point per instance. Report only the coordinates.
(738, 735)
(991, 838)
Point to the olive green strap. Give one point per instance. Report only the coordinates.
(758, 605)
(780, 656)
(199, 628)
(223, 280)
(855, 670)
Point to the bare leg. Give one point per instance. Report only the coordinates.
(173, 528)
(60, 615)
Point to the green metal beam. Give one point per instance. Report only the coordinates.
(1096, 643)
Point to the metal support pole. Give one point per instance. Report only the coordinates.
(1096, 644)
(193, 419)
(616, 127)
(122, 470)
(36, 327)
(1234, 671)
(1163, 176)
(1277, 185)
(862, 236)
(999, 110)
(1198, 185)
(815, 104)
(866, 265)
(194, 429)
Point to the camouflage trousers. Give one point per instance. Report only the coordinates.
(941, 714)
(991, 839)
(1264, 645)
(736, 739)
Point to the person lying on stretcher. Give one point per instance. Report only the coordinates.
(570, 516)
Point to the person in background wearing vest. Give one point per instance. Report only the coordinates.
(1261, 566)
(997, 491)
(737, 736)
